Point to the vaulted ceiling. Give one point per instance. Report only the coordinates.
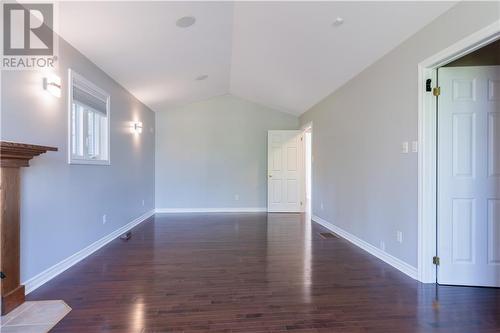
(285, 55)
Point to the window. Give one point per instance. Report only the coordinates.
(88, 122)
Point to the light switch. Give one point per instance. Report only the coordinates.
(405, 147)
(414, 146)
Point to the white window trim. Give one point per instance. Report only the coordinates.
(72, 160)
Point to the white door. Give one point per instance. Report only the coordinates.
(285, 171)
(469, 176)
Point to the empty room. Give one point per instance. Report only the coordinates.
(250, 166)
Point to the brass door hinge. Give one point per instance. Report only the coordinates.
(435, 260)
(436, 91)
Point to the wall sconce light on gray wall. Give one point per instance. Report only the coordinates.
(137, 127)
(52, 84)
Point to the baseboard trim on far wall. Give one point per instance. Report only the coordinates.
(375, 251)
(50, 273)
(212, 210)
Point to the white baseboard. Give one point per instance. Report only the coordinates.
(373, 250)
(212, 210)
(48, 274)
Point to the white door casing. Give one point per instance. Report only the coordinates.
(469, 176)
(285, 171)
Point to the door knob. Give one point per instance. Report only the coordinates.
(270, 176)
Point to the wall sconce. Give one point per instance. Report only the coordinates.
(137, 127)
(53, 85)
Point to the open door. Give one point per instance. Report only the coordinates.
(285, 171)
(469, 176)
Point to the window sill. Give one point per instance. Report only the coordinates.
(89, 162)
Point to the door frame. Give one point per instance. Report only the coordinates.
(304, 128)
(427, 141)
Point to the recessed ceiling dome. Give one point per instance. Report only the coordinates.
(338, 21)
(185, 21)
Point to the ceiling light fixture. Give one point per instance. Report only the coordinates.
(185, 22)
(338, 21)
(202, 77)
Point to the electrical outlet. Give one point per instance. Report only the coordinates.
(322, 207)
(143, 202)
(237, 197)
(414, 146)
(382, 245)
(104, 219)
(399, 236)
(405, 147)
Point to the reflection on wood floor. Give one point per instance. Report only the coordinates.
(254, 273)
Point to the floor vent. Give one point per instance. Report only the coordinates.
(327, 235)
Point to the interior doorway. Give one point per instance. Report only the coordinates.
(285, 171)
(459, 163)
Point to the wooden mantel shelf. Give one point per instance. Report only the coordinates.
(13, 156)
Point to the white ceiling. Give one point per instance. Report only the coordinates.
(285, 55)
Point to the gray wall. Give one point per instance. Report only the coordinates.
(62, 205)
(208, 152)
(367, 186)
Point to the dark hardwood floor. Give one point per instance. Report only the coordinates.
(254, 273)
